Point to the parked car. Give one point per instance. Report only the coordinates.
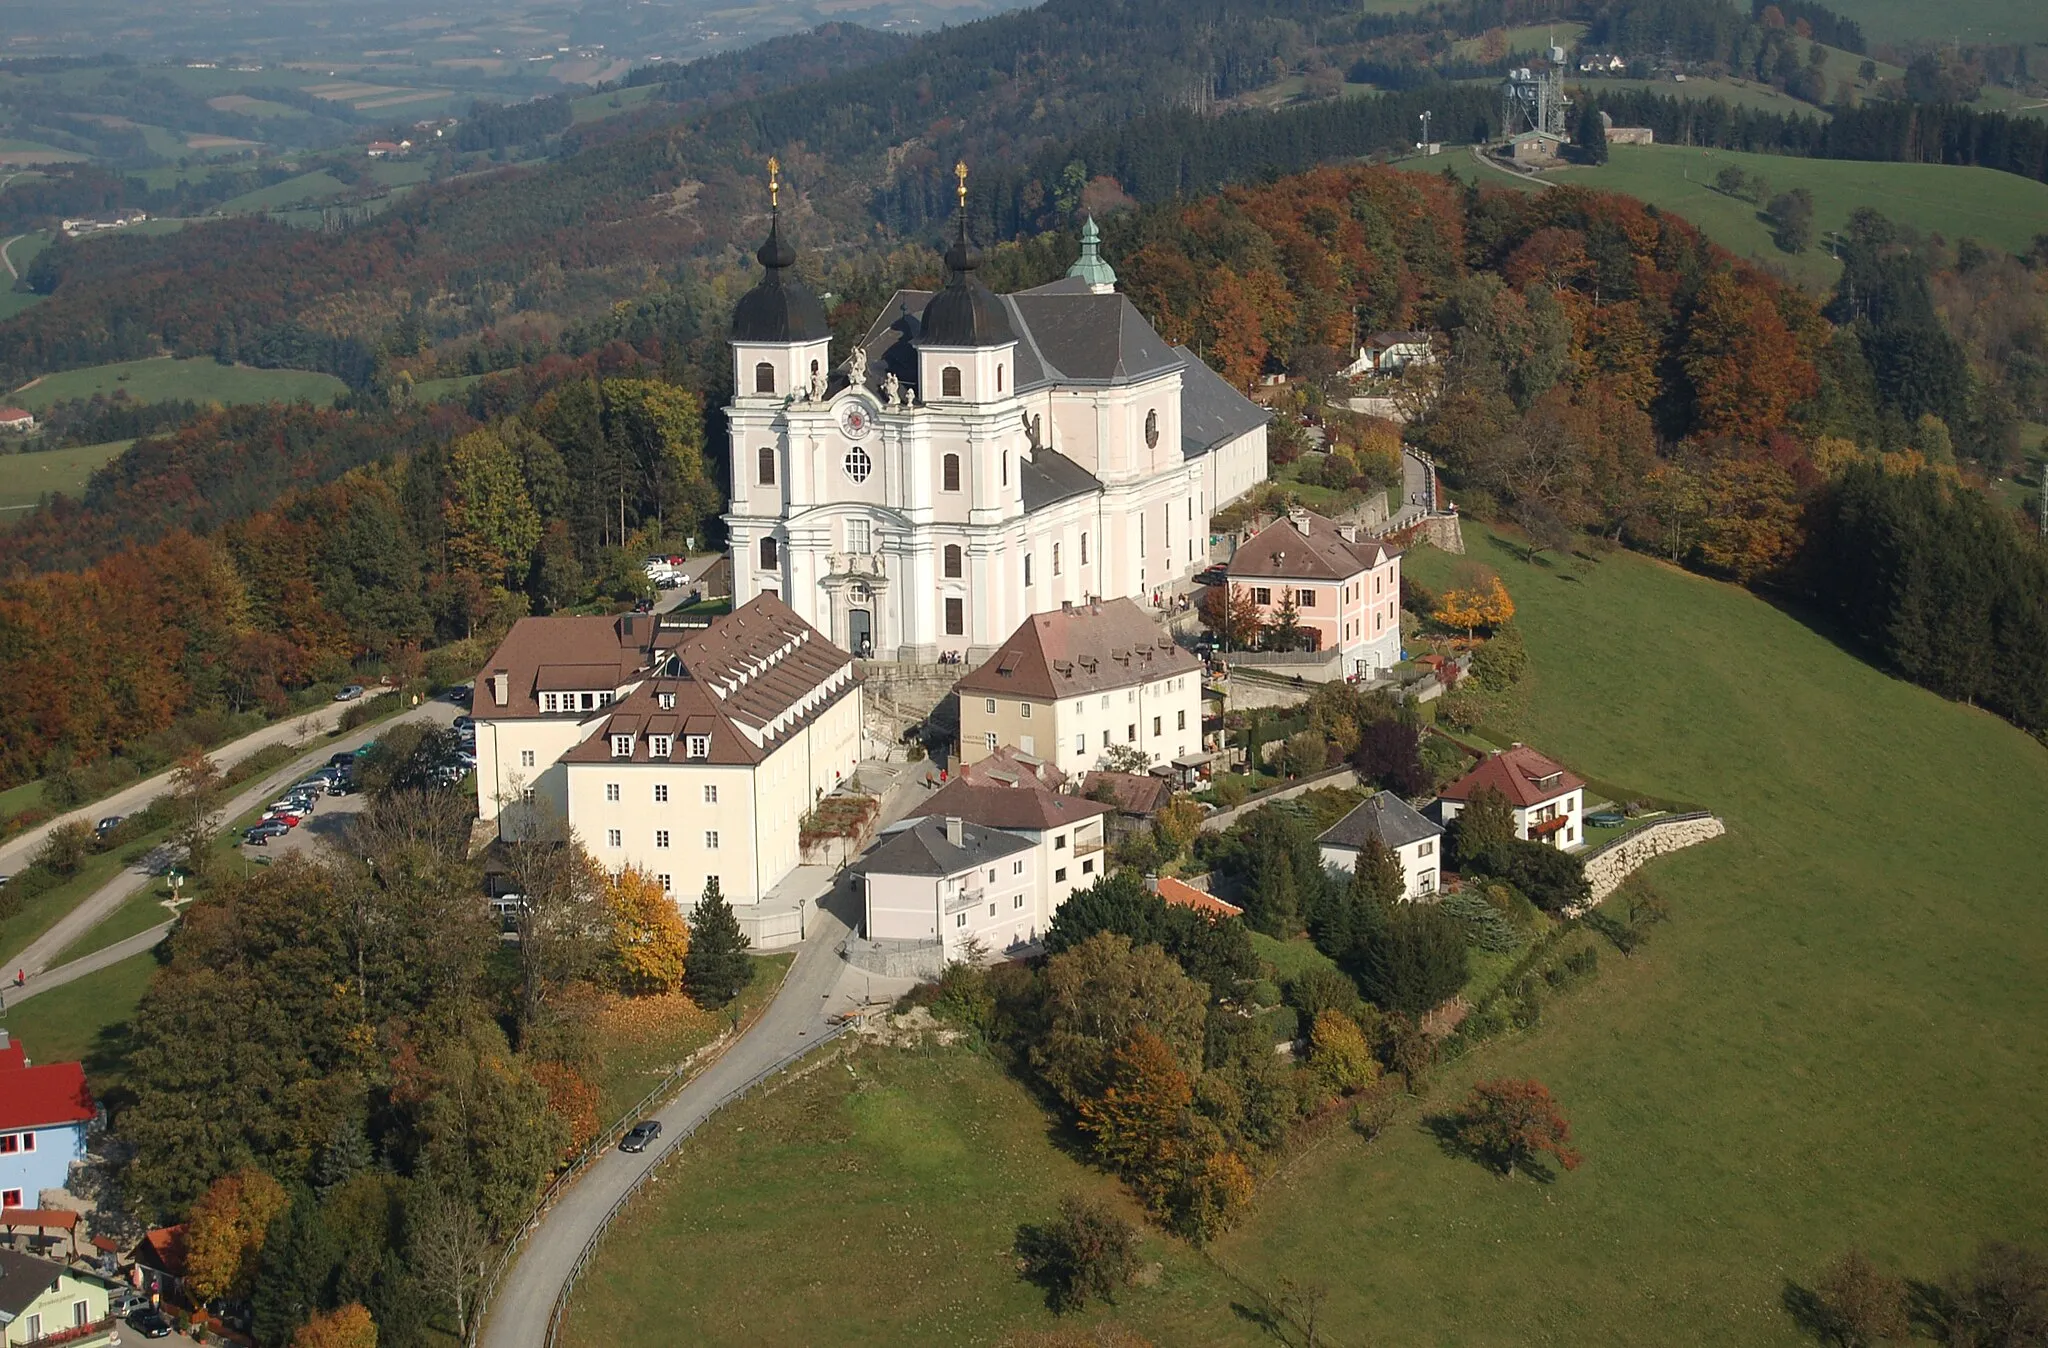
(640, 1134)
(345, 759)
(150, 1323)
(289, 818)
(349, 693)
(260, 834)
(124, 1301)
(289, 805)
(460, 694)
(107, 825)
(464, 724)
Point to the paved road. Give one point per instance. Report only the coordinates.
(15, 853)
(105, 957)
(9, 244)
(40, 953)
(819, 983)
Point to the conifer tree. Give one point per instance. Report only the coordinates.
(716, 968)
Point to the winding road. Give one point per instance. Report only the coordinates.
(3, 252)
(819, 983)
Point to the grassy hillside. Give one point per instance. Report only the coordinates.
(2001, 209)
(25, 478)
(1833, 1042)
(166, 380)
(1964, 20)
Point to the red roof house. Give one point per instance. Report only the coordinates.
(44, 1097)
(1546, 796)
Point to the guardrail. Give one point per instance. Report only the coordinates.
(583, 1258)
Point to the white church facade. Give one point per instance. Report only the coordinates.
(977, 459)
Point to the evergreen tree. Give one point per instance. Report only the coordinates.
(1415, 962)
(717, 967)
(292, 1281)
(1591, 142)
(346, 1155)
(1378, 877)
(1482, 831)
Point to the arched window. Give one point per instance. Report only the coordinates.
(949, 382)
(952, 561)
(767, 475)
(771, 555)
(1027, 568)
(999, 379)
(764, 378)
(1006, 467)
(814, 369)
(950, 472)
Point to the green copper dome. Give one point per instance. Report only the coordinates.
(1090, 266)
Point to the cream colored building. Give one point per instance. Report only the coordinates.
(958, 884)
(1072, 684)
(1070, 832)
(687, 753)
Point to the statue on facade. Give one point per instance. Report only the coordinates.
(857, 367)
(817, 389)
(890, 387)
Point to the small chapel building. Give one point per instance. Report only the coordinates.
(976, 459)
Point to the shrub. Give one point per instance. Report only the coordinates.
(360, 714)
(1858, 1305)
(1339, 1055)
(1086, 1253)
(964, 998)
(1485, 926)
(1314, 991)
(1499, 664)
(1229, 791)
(65, 849)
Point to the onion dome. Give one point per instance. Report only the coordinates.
(965, 312)
(780, 307)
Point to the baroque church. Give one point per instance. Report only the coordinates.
(977, 458)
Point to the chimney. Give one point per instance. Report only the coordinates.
(1299, 519)
(5, 1040)
(501, 687)
(956, 833)
(1066, 606)
(1348, 532)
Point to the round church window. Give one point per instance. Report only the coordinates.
(858, 464)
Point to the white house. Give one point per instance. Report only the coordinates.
(17, 421)
(1390, 353)
(687, 753)
(1068, 831)
(1415, 841)
(946, 880)
(1548, 799)
(1070, 685)
(977, 459)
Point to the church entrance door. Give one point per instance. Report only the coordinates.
(860, 632)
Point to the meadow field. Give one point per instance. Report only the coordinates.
(168, 379)
(26, 478)
(1834, 1042)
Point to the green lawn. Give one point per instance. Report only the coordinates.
(437, 390)
(85, 1021)
(1835, 1041)
(597, 107)
(167, 379)
(2000, 209)
(316, 186)
(1967, 21)
(138, 913)
(13, 302)
(886, 1191)
(24, 478)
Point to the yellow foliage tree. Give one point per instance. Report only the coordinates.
(225, 1230)
(1177, 824)
(347, 1327)
(1339, 1055)
(1495, 608)
(650, 940)
(1461, 608)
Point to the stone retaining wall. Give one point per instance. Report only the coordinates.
(895, 959)
(1607, 867)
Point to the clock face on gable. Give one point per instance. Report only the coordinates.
(856, 420)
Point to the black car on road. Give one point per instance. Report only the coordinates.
(640, 1134)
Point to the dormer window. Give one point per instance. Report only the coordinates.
(666, 701)
(550, 702)
(697, 746)
(658, 746)
(622, 746)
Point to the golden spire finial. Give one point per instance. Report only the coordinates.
(960, 172)
(774, 183)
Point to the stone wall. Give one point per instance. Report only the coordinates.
(895, 959)
(1608, 866)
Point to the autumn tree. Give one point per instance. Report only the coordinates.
(1859, 1305)
(1338, 1055)
(650, 941)
(572, 1099)
(1744, 365)
(1508, 1123)
(1752, 518)
(195, 802)
(1461, 608)
(348, 1327)
(1099, 993)
(1177, 825)
(225, 1232)
(492, 525)
(1086, 1253)
(1132, 1117)
(716, 967)
(1230, 612)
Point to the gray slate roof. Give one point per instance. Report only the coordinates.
(24, 1278)
(1065, 335)
(922, 849)
(1048, 477)
(1386, 817)
(1211, 411)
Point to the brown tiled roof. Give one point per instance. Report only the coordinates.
(564, 653)
(1010, 766)
(1085, 648)
(746, 669)
(1184, 895)
(162, 1248)
(1515, 773)
(1305, 546)
(1012, 807)
(1135, 792)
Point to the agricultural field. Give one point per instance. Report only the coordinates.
(27, 478)
(1831, 1043)
(1999, 209)
(166, 379)
(597, 107)
(1961, 21)
(316, 186)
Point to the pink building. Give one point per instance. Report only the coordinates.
(1346, 587)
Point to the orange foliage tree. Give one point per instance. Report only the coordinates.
(348, 1326)
(1509, 1123)
(650, 940)
(1751, 517)
(1136, 1116)
(571, 1099)
(225, 1231)
(1746, 367)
